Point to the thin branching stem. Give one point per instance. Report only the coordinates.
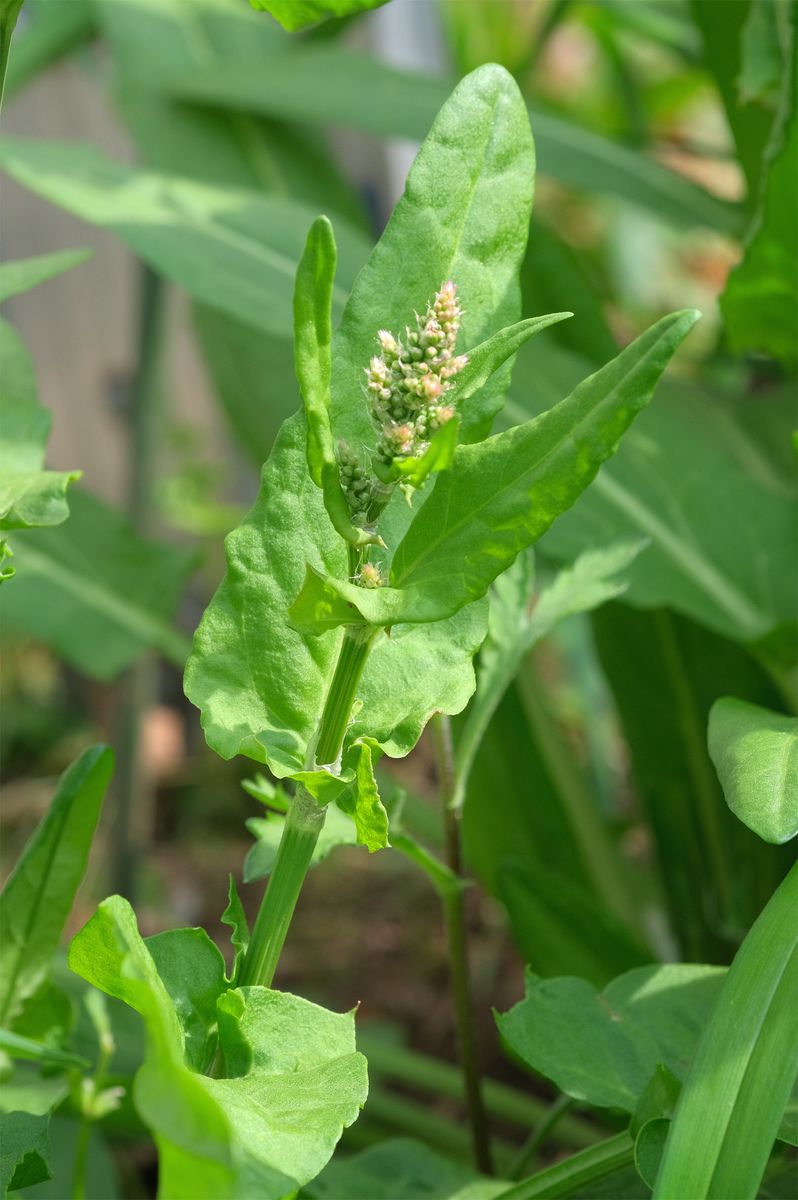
(454, 908)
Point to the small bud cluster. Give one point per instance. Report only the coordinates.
(406, 385)
(357, 483)
(408, 381)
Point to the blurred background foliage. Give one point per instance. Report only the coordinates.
(202, 138)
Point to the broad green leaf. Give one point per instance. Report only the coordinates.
(470, 530)
(401, 1167)
(297, 1079)
(27, 273)
(23, 1047)
(102, 1180)
(683, 467)
(403, 104)
(29, 495)
(338, 830)
(313, 297)
(38, 895)
(192, 1134)
(299, 14)
(97, 592)
(755, 752)
(26, 1091)
(546, 910)
(236, 918)
(760, 303)
(519, 618)
(467, 202)
(53, 30)
(603, 1047)
(24, 1150)
(271, 714)
(665, 673)
(192, 971)
(744, 1067)
(234, 250)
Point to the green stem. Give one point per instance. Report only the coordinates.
(303, 824)
(569, 1177)
(305, 818)
(136, 687)
(357, 643)
(428, 1074)
(454, 910)
(81, 1159)
(528, 1152)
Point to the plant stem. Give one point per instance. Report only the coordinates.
(137, 684)
(457, 935)
(305, 818)
(303, 824)
(528, 1152)
(568, 1177)
(81, 1159)
(335, 718)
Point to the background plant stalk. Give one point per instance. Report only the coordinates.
(305, 818)
(454, 910)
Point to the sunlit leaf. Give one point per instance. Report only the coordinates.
(755, 752)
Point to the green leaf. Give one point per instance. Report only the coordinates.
(744, 1068)
(519, 619)
(53, 30)
(236, 918)
(271, 713)
(760, 303)
(23, 1047)
(313, 296)
(362, 800)
(297, 1079)
(403, 103)
(401, 1167)
(477, 405)
(755, 752)
(96, 592)
(25, 1152)
(723, 31)
(27, 273)
(665, 673)
(299, 14)
(24, 1091)
(338, 830)
(9, 11)
(467, 202)
(192, 971)
(603, 1047)
(29, 495)
(688, 462)
(546, 911)
(470, 530)
(234, 250)
(38, 895)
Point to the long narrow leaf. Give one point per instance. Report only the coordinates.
(734, 1097)
(365, 94)
(38, 896)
